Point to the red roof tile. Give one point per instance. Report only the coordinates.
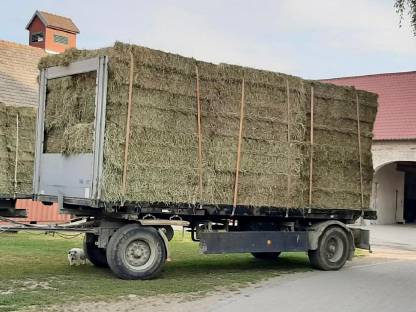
(396, 115)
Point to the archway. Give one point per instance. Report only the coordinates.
(394, 192)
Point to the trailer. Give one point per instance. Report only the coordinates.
(131, 237)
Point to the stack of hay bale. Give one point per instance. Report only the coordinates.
(336, 179)
(163, 163)
(17, 139)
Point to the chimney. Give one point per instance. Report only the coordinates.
(51, 32)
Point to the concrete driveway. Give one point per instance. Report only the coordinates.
(384, 286)
(397, 237)
(384, 281)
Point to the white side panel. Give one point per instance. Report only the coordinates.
(69, 176)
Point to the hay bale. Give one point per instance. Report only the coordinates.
(9, 136)
(163, 162)
(70, 111)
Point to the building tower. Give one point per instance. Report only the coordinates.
(51, 32)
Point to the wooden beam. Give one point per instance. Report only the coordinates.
(311, 149)
(289, 160)
(199, 136)
(240, 138)
(16, 160)
(127, 139)
(405, 167)
(359, 149)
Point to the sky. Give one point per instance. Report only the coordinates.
(312, 39)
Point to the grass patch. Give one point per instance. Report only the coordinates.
(34, 271)
(361, 253)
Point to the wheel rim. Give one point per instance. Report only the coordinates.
(334, 249)
(139, 255)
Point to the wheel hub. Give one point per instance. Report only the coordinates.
(137, 253)
(333, 249)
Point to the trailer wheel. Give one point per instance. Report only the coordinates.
(266, 255)
(97, 256)
(333, 249)
(136, 252)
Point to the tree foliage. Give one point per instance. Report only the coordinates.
(407, 7)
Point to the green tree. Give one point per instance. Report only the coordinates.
(409, 7)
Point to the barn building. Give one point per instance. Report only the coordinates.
(394, 144)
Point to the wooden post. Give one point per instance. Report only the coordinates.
(16, 160)
(199, 136)
(127, 140)
(311, 156)
(359, 149)
(240, 138)
(288, 141)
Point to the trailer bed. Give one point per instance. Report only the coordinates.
(197, 211)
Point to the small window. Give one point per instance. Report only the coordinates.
(37, 37)
(60, 39)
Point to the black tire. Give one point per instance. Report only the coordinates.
(97, 256)
(333, 250)
(136, 252)
(266, 255)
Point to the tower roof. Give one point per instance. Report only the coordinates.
(55, 21)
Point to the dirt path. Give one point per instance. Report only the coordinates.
(129, 303)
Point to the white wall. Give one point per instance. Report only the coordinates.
(387, 179)
(385, 152)
(388, 204)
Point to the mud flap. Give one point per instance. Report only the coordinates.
(165, 240)
(361, 237)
